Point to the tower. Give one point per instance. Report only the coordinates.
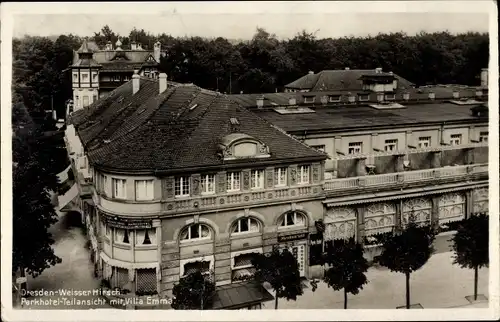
(157, 51)
(85, 77)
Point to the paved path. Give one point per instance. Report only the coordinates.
(439, 284)
(74, 273)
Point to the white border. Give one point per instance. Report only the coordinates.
(8, 9)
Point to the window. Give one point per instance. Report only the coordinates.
(242, 268)
(75, 77)
(280, 177)
(85, 77)
(108, 231)
(233, 181)
(390, 96)
(94, 77)
(303, 174)
(363, 97)
(391, 145)
(456, 139)
(424, 142)
(292, 219)
(355, 147)
(119, 190)
(245, 225)
(192, 267)
(257, 179)
(145, 236)
(318, 147)
(207, 184)
(334, 98)
(196, 231)
(309, 99)
(144, 190)
(122, 236)
(126, 78)
(483, 136)
(95, 98)
(85, 101)
(182, 186)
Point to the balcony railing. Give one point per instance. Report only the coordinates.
(405, 177)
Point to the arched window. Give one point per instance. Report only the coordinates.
(245, 225)
(292, 219)
(195, 232)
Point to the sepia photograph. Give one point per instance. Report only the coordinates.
(281, 157)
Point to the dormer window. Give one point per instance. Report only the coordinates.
(239, 145)
(334, 98)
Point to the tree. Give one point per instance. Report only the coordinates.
(407, 251)
(347, 267)
(33, 212)
(470, 244)
(281, 270)
(193, 292)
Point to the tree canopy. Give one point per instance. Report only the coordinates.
(193, 292)
(346, 267)
(281, 270)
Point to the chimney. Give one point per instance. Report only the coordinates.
(136, 82)
(378, 70)
(133, 45)
(380, 97)
(351, 98)
(456, 93)
(324, 99)
(347, 68)
(484, 77)
(432, 95)
(292, 101)
(260, 101)
(311, 72)
(163, 82)
(406, 96)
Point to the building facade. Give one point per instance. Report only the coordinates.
(177, 178)
(96, 72)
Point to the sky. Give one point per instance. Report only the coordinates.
(186, 20)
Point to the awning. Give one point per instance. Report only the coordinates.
(127, 265)
(68, 197)
(239, 295)
(392, 195)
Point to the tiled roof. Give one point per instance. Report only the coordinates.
(342, 118)
(85, 62)
(147, 131)
(345, 80)
(441, 92)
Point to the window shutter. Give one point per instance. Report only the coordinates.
(220, 181)
(269, 177)
(246, 179)
(196, 184)
(169, 187)
(292, 175)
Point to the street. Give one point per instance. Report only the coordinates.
(74, 273)
(439, 284)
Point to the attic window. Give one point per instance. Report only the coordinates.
(193, 107)
(234, 121)
(387, 106)
(120, 99)
(293, 110)
(363, 97)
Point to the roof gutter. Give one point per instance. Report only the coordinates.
(225, 166)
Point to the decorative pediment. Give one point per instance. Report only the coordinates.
(241, 146)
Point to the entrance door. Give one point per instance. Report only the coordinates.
(299, 252)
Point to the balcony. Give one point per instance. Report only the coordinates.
(238, 199)
(428, 176)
